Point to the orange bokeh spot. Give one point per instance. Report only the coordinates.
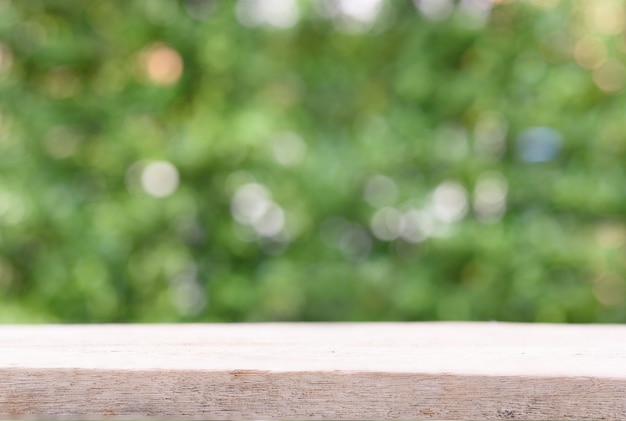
(162, 64)
(590, 52)
(610, 77)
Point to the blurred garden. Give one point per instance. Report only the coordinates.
(313, 160)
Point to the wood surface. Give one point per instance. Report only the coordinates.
(440, 371)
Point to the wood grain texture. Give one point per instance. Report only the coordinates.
(440, 371)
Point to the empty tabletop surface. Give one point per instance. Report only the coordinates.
(491, 348)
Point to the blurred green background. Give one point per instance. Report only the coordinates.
(258, 160)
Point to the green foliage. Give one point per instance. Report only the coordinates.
(414, 167)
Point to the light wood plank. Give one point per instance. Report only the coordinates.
(314, 371)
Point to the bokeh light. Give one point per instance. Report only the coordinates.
(12, 208)
(590, 52)
(279, 14)
(387, 224)
(350, 238)
(610, 76)
(380, 190)
(159, 178)
(539, 144)
(252, 205)
(435, 10)
(490, 196)
(162, 64)
(289, 149)
(606, 17)
(449, 201)
(490, 135)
